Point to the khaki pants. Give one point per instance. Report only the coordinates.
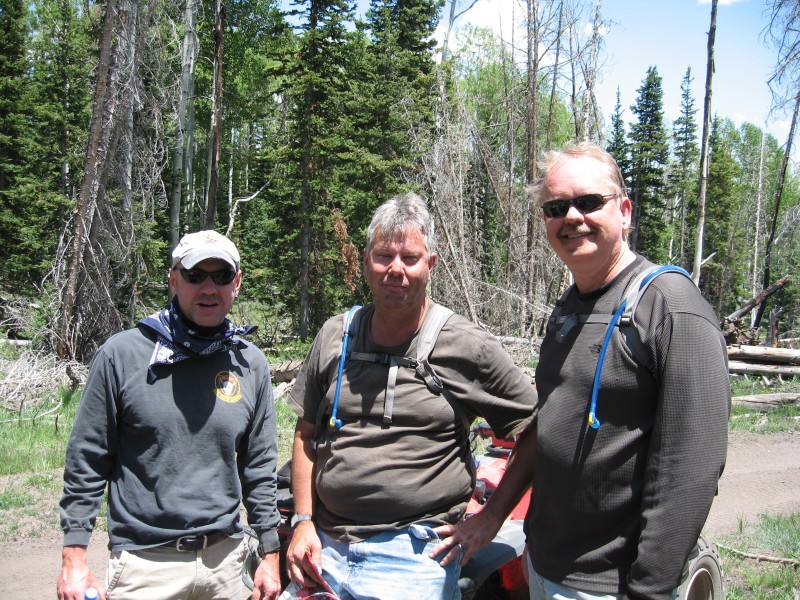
(167, 574)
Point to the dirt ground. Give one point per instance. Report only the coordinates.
(762, 476)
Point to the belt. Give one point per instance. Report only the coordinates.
(193, 543)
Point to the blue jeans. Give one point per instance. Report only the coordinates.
(544, 589)
(392, 565)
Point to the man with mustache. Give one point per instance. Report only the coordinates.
(624, 471)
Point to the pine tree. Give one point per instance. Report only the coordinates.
(724, 277)
(649, 157)
(683, 177)
(617, 141)
(15, 135)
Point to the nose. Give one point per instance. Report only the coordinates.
(396, 264)
(207, 286)
(573, 214)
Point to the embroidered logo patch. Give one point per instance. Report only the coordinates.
(227, 387)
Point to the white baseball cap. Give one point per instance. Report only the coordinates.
(197, 247)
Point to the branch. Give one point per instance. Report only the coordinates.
(760, 557)
(235, 207)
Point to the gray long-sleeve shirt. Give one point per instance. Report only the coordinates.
(617, 509)
(178, 455)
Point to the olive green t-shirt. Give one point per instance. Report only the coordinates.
(372, 476)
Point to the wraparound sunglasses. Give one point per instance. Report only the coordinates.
(195, 276)
(558, 209)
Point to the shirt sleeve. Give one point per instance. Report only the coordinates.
(258, 457)
(689, 438)
(90, 453)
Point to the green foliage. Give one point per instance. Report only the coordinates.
(650, 156)
(779, 419)
(617, 143)
(722, 278)
(683, 179)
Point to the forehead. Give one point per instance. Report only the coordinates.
(407, 238)
(574, 176)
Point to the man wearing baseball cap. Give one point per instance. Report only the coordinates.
(177, 419)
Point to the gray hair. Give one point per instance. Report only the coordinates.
(399, 215)
(590, 150)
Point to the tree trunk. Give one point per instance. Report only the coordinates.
(532, 130)
(704, 150)
(215, 137)
(100, 127)
(179, 180)
(776, 208)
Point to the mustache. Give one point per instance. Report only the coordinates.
(580, 230)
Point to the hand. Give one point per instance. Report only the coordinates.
(76, 576)
(304, 541)
(267, 578)
(465, 538)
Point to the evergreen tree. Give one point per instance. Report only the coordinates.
(649, 158)
(617, 141)
(724, 278)
(683, 178)
(15, 135)
(318, 92)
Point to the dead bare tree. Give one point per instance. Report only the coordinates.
(784, 30)
(701, 195)
(104, 117)
(99, 261)
(180, 176)
(215, 133)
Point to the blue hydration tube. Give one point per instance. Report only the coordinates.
(334, 422)
(594, 422)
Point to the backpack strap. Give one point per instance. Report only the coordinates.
(437, 316)
(624, 316)
(434, 321)
(426, 339)
(350, 325)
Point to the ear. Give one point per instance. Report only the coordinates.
(432, 262)
(626, 209)
(173, 281)
(237, 283)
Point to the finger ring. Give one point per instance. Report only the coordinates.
(460, 547)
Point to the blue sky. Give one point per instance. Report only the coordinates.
(672, 35)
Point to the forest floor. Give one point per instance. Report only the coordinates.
(762, 476)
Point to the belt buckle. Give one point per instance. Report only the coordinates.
(190, 540)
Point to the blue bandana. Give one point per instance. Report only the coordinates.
(177, 339)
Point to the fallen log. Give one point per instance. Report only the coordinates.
(751, 304)
(763, 353)
(745, 368)
(285, 371)
(764, 401)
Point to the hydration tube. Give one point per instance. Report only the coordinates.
(594, 422)
(335, 423)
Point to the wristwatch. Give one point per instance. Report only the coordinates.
(299, 519)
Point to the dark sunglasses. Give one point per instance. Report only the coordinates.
(195, 276)
(558, 209)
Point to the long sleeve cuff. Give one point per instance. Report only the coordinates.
(269, 541)
(80, 537)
